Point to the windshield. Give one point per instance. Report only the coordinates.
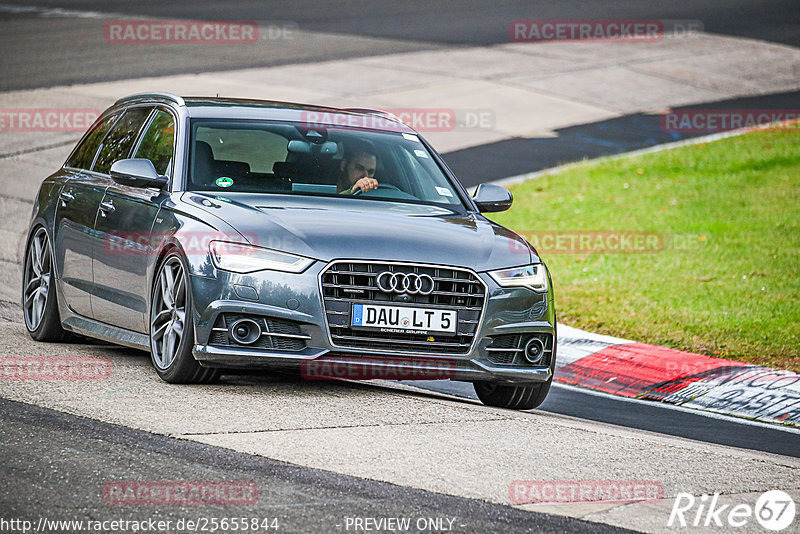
(298, 159)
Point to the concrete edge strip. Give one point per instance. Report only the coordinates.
(694, 381)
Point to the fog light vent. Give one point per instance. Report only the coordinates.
(534, 350)
(245, 331)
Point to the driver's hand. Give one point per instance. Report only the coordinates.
(365, 184)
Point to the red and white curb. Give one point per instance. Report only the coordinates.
(648, 372)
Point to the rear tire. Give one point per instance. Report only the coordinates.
(39, 300)
(525, 397)
(172, 326)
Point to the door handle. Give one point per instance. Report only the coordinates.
(106, 207)
(65, 197)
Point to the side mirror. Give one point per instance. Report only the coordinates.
(137, 172)
(490, 197)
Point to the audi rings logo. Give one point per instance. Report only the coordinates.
(411, 283)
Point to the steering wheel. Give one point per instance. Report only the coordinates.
(381, 186)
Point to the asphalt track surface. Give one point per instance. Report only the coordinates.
(42, 49)
(512, 157)
(77, 457)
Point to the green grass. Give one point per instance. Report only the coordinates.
(726, 282)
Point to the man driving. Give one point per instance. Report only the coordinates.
(357, 169)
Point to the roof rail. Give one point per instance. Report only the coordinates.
(163, 96)
(369, 111)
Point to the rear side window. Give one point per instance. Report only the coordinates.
(83, 156)
(156, 144)
(117, 144)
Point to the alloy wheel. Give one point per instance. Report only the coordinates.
(38, 273)
(169, 312)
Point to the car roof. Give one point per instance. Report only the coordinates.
(241, 108)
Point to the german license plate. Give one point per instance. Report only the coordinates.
(403, 318)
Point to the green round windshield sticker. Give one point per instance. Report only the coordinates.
(224, 181)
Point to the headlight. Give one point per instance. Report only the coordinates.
(247, 259)
(531, 276)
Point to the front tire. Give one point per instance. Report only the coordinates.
(525, 397)
(39, 300)
(172, 326)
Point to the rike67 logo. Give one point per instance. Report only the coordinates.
(774, 510)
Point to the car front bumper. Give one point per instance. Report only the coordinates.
(296, 299)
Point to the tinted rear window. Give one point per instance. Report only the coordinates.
(83, 156)
(117, 144)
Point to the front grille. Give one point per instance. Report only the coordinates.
(277, 334)
(507, 349)
(345, 283)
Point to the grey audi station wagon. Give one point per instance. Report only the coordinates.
(221, 233)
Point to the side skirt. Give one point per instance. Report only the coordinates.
(112, 334)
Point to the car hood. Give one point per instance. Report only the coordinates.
(326, 229)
